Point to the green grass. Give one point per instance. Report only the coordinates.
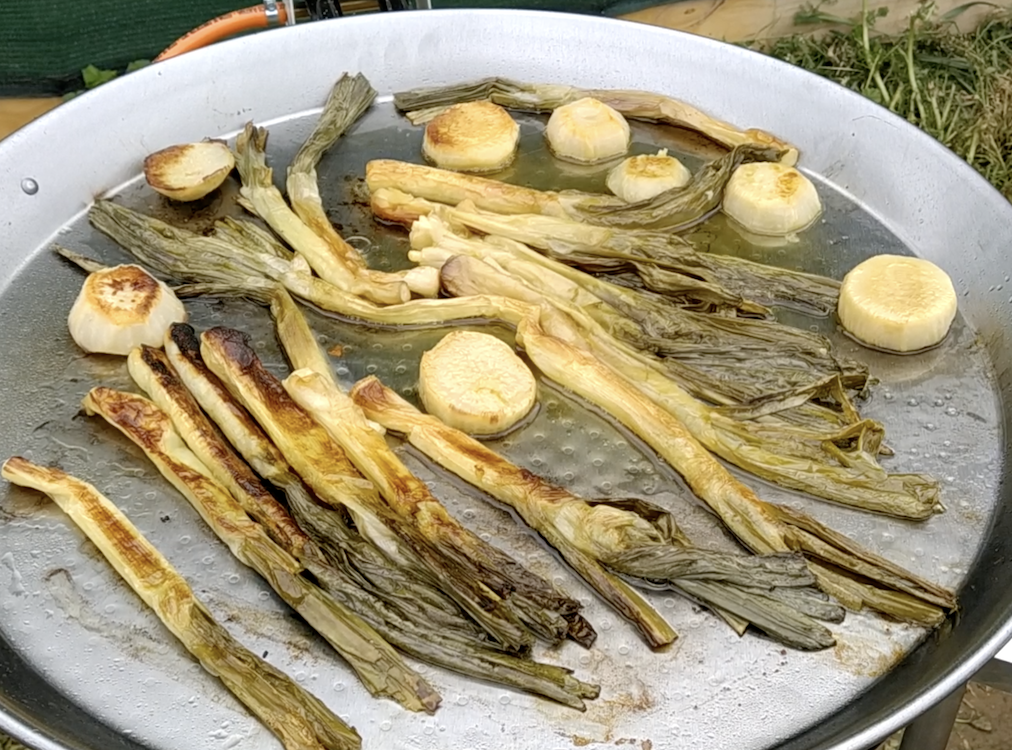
(955, 86)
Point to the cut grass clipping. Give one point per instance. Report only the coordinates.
(955, 86)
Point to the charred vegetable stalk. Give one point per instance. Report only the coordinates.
(379, 667)
(665, 263)
(854, 576)
(239, 258)
(299, 719)
(633, 538)
(423, 103)
(542, 608)
(402, 606)
(676, 209)
(326, 468)
(837, 465)
(720, 358)
(350, 97)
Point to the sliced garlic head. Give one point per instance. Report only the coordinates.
(123, 307)
(476, 383)
(472, 137)
(897, 303)
(189, 171)
(771, 199)
(640, 178)
(587, 131)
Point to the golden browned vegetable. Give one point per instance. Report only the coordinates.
(189, 171)
(299, 719)
(381, 669)
(471, 137)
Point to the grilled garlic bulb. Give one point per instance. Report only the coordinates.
(472, 137)
(123, 307)
(897, 303)
(772, 199)
(587, 131)
(189, 171)
(640, 178)
(475, 382)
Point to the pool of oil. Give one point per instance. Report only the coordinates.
(92, 639)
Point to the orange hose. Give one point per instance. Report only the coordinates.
(222, 27)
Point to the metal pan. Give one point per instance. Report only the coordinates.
(83, 665)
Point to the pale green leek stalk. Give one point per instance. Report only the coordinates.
(326, 469)
(350, 97)
(411, 615)
(847, 472)
(636, 399)
(263, 199)
(539, 605)
(655, 256)
(423, 103)
(238, 259)
(300, 720)
(380, 668)
(630, 537)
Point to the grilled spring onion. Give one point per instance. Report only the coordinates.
(326, 469)
(675, 210)
(647, 403)
(350, 97)
(476, 382)
(647, 175)
(771, 199)
(897, 303)
(542, 608)
(629, 537)
(586, 131)
(189, 171)
(121, 307)
(664, 261)
(838, 466)
(239, 259)
(421, 104)
(721, 358)
(412, 615)
(151, 370)
(444, 186)
(472, 137)
(409, 614)
(299, 719)
(379, 667)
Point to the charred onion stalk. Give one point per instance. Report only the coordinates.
(839, 465)
(404, 608)
(674, 210)
(350, 97)
(241, 259)
(299, 719)
(381, 669)
(720, 358)
(646, 403)
(629, 537)
(544, 609)
(263, 199)
(422, 104)
(484, 593)
(665, 263)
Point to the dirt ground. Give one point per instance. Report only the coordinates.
(984, 723)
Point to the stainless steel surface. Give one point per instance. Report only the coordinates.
(83, 665)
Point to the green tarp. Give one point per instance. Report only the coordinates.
(44, 44)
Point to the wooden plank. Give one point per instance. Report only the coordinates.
(15, 113)
(757, 20)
